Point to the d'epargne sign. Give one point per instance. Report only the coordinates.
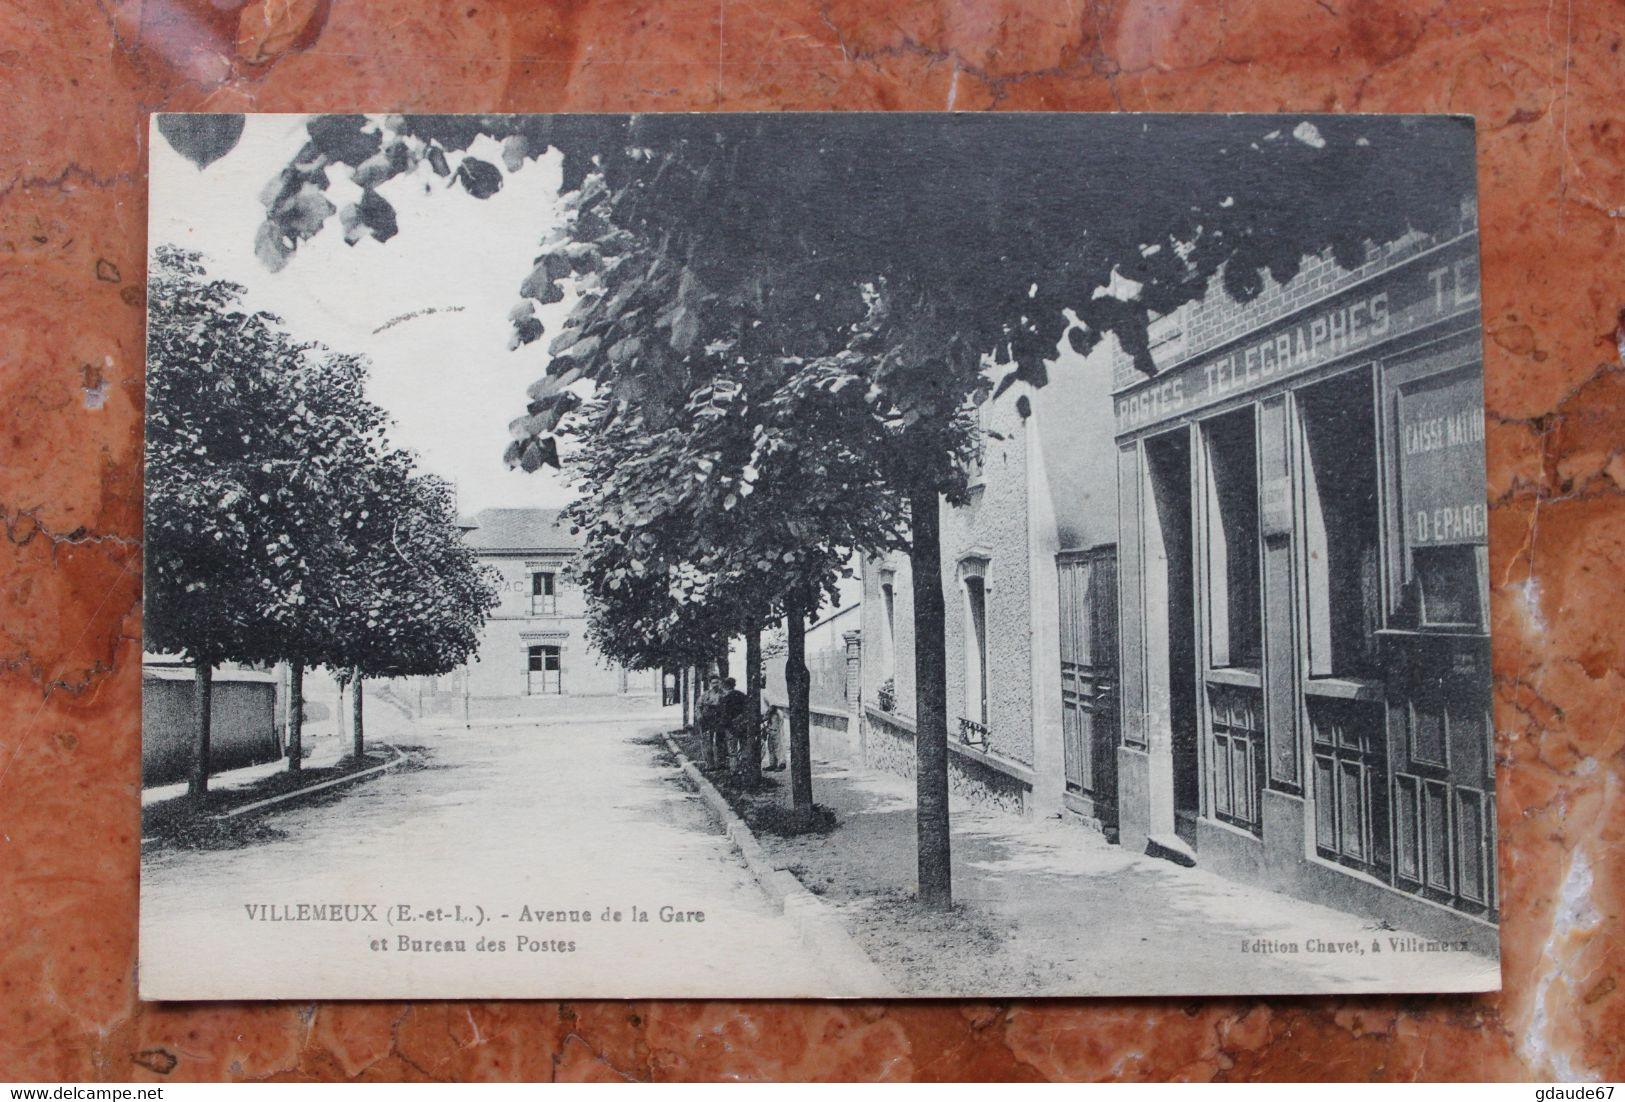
(1427, 288)
(1441, 460)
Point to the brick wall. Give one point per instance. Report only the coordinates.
(1217, 318)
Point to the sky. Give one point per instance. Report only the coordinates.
(446, 375)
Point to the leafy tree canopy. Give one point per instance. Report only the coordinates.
(410, 594)
(280, 524)
(248, 431)
(928, 247)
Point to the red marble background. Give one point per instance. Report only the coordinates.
(78, 78)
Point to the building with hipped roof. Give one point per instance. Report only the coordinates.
(534, 643)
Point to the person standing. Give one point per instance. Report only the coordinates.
(709, 717)
(772, 733)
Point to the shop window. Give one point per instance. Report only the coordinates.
(1440, 441)
(544, 599)
(1342, 559)
(1448, 585)
(1234, 617)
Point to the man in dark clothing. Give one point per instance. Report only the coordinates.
(733, 708)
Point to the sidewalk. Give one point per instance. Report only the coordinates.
(322, 748)
(1049, 907)
(323, 744)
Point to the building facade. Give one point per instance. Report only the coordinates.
(1235, 613)
(1304, 589)
(534, 643)
(1041, 500)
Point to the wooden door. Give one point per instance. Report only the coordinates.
(1088, 607)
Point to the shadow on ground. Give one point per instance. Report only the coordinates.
(1052, 907)
(185, 823)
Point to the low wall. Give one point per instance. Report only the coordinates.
(243, 728)
(833, 734)
(830, 731)
(826, 662)
(979, 778)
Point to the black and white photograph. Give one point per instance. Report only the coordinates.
(815, 556)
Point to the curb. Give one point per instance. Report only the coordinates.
(819, 925)
(346, 779)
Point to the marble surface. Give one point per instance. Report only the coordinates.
(78, 78)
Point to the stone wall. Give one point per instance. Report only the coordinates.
(1217, 318)
(888, 745)
(243, 727)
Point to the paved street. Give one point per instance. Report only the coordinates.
(553, 815)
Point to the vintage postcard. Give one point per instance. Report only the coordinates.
(815, 556)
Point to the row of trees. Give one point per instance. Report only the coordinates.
(780, 323)
(281, 525)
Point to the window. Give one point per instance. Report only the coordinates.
(1445, 576)
(889, 600)
(544, 599)
(544, 670)
(973, 585)
(1338, 424)
(1234, 617)
(1449, 581)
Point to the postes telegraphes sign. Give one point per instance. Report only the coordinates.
(1433, 286)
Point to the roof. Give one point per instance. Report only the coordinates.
(521, 530)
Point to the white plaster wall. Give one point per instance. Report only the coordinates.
(1079, 455)
(1072, 470)
(501, 668)
(877, 663)
(994, 525)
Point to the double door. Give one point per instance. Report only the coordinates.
(544, 671)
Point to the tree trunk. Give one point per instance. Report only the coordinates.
(296, 716)
(203, 702)
(682, 692)
(749, 766)
(930, 703)
(798, 683)
(355, 704)
(339, 714)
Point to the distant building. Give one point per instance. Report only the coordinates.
(534, 644)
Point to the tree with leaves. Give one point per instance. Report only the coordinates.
(247, 433)
(410, 595)
(939, 246)
(280, 524)
(728, 510)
